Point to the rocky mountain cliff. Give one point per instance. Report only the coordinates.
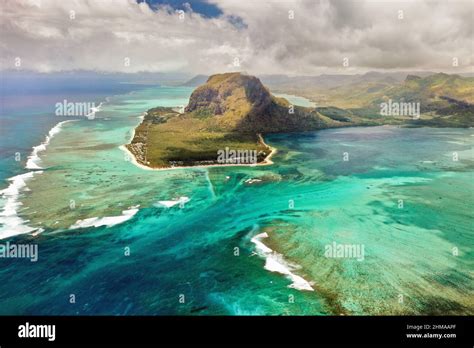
(232, 92)
(239, 102)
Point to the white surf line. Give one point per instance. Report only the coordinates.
(107, 221)
(252, 181)
(33, 158)
(168, 204)
(12, 223)
(274, 262)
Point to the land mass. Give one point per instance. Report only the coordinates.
(230, 112)
(445, 100)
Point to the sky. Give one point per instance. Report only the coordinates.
(294, 37)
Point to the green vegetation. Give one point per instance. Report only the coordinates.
(184, 140)
(231, 111)
(228, 111)
(336, 113)
(445, 100)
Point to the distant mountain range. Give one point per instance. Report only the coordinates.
(196, 81)
(284, 82)
(444, 100)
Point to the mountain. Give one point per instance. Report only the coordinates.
(431, 89)
(231, 93)
(196, 81)
(445, 100)
(230, 110)
(328, 81)
(240, 103)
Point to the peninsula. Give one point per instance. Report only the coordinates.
(231, 112)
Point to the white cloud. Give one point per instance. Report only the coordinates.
(370, 33)
(103, 34)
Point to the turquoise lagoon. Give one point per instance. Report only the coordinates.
(245, 240)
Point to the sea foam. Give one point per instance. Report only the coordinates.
(33, 158)
(107, 221)
(12, 223)
(275, 262)
(169, 204)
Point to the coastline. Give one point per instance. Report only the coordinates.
(266, 162)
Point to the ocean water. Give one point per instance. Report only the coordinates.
(244, 240)
(296, 100)
(27, 110)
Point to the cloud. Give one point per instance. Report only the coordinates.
(117, 35)
(261, 36)
(371, 34)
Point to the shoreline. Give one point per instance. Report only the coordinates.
(266, 162)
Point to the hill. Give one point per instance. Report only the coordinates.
(196, 81)
(445, 100)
